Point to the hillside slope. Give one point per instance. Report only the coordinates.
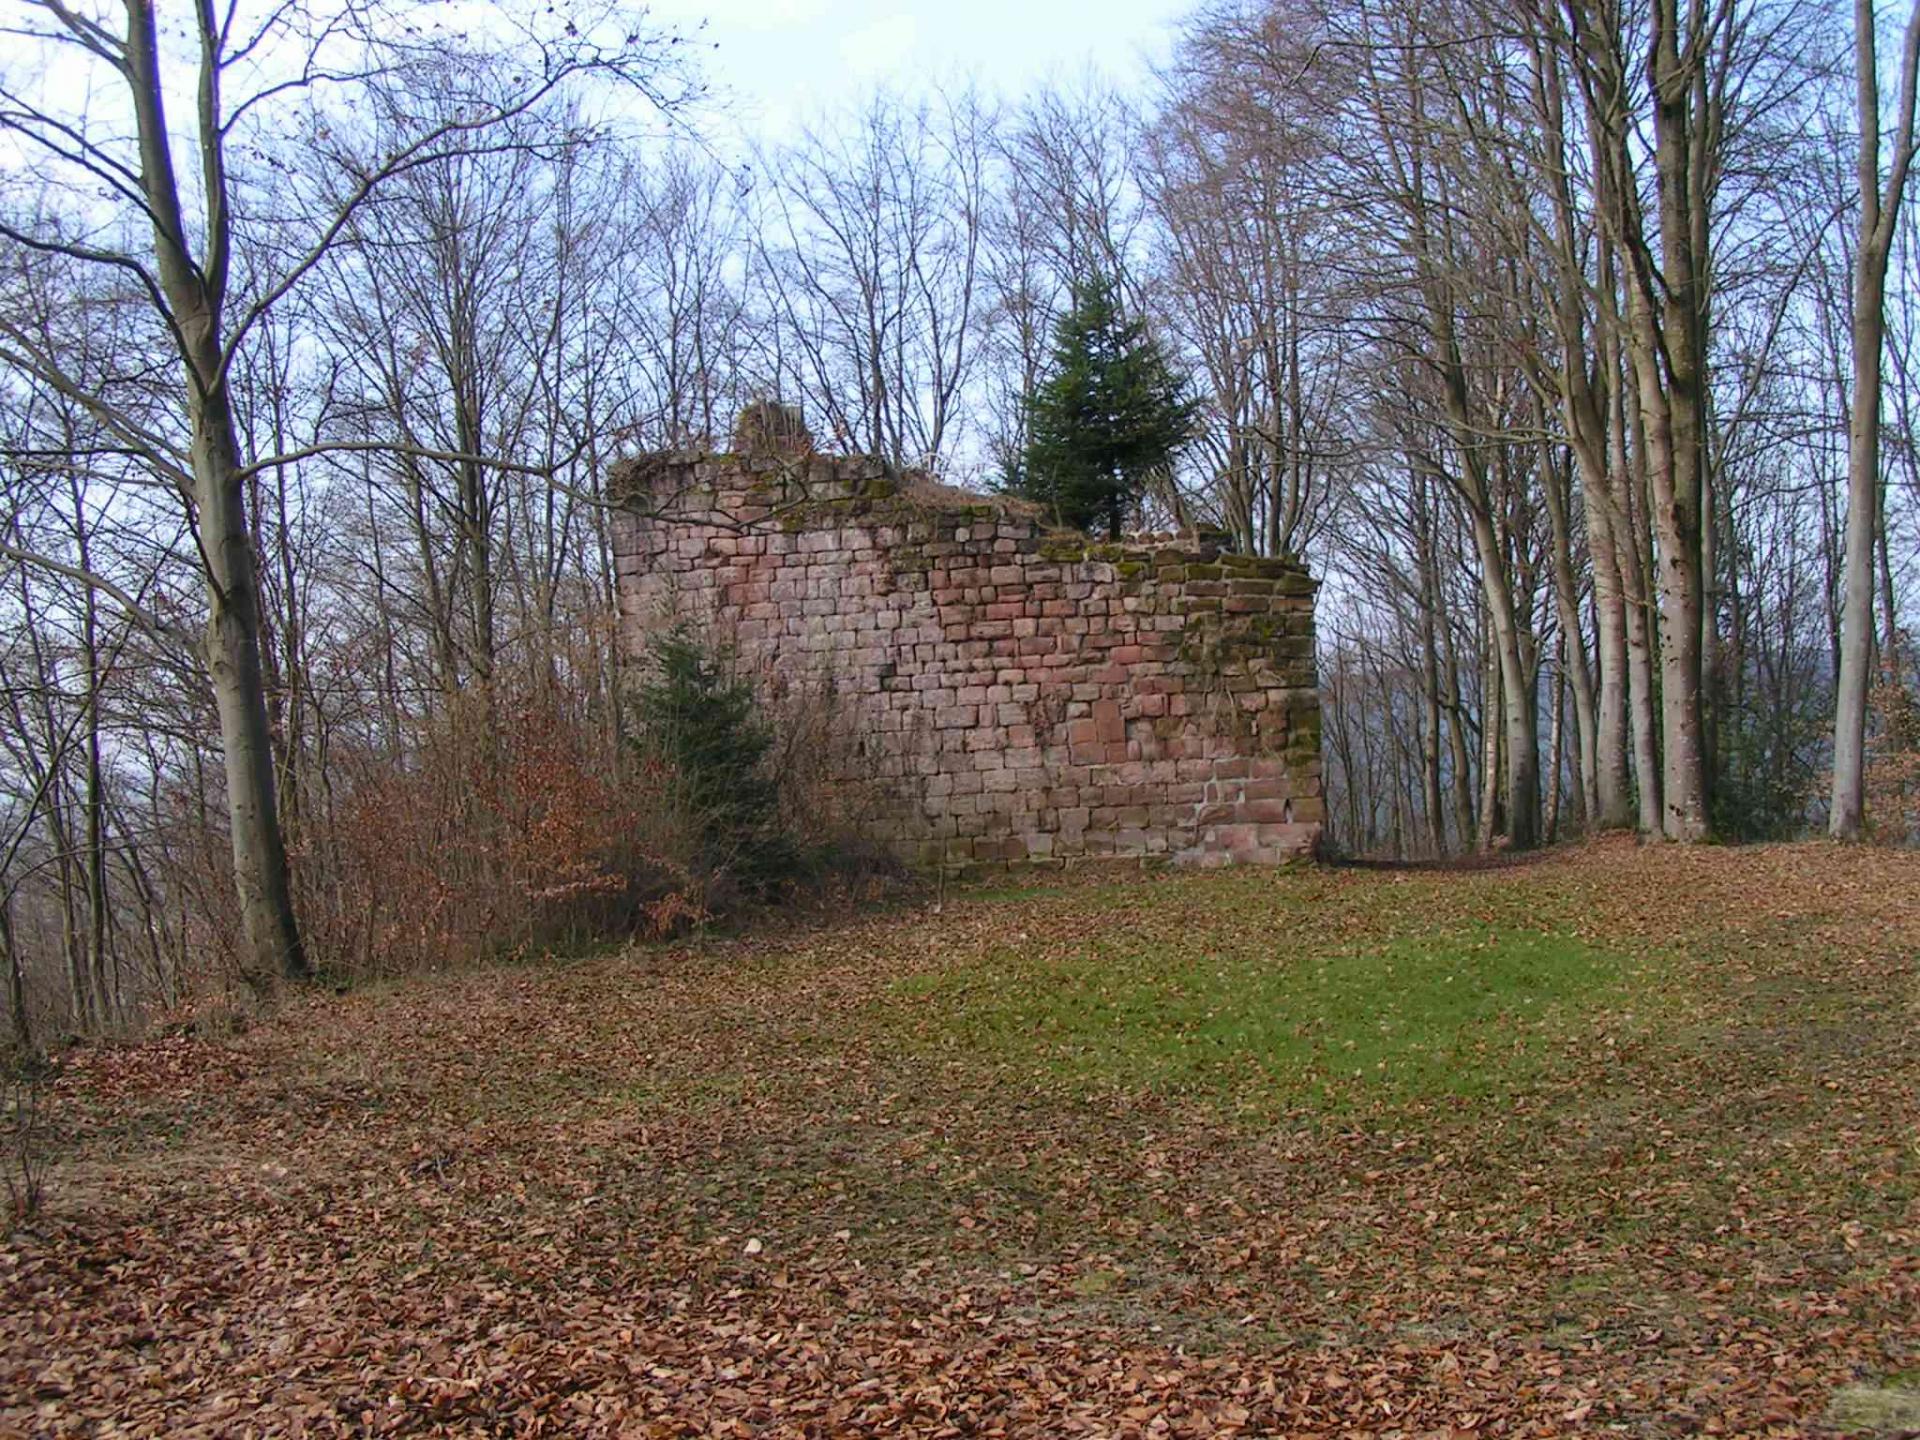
(1612, 1139)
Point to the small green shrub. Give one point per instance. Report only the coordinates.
(705, 743)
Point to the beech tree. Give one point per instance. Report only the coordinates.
(1244, 268)
(871, 256)
(1879, 213)
(1680, 66)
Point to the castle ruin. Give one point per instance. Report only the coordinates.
(1021, 693)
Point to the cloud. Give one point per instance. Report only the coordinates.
(881, 46)
(741, 16)
(773, 14)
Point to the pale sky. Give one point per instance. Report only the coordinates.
(781, 61)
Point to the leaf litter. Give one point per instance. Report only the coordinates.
(774, 1186)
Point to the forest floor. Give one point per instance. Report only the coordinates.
(1612, 1140)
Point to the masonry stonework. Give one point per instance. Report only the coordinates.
(1021, 693)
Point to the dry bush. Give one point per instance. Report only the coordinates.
(24, 1074)
(512, 823)
(830, 796)
(769, 775)
(1893, 763)
(195, 872)
(505, 831)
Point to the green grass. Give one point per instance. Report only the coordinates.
(1465, 1012)
(1875, 1410)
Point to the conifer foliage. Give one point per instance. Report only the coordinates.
(1110, 413)
(702, 734)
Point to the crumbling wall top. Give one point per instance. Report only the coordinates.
(802, 490)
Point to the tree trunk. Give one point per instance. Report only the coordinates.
(1586, 400)
(1457, 737)
(1490, 706)
(1877, 215)
(1637, 609)
(271, 936)
(1513, 690)
(1556, 743)
(1667, 338)
(93, 802)
(1613, 777)
(1573, 670)
(1846, 813)
(232, 648)
(1430, 736)
(16, 981)
(1665, 334)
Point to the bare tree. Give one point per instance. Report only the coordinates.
(1244, 272)
(215, 241)
(1880, 201)
(873, 260)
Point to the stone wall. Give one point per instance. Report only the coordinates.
(1021, 693)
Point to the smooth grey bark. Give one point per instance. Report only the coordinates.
(1556, 744)
(1573, 668)
(195, 293)
(1488, 822)
(1520, 728)
(1666, 271)
(1625, 483)
(1879, 211)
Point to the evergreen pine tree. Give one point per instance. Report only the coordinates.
(700, 722)
(1110, 412)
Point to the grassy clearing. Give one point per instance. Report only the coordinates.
(1255, 1021)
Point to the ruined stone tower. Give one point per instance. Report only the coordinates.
(1022, 693)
